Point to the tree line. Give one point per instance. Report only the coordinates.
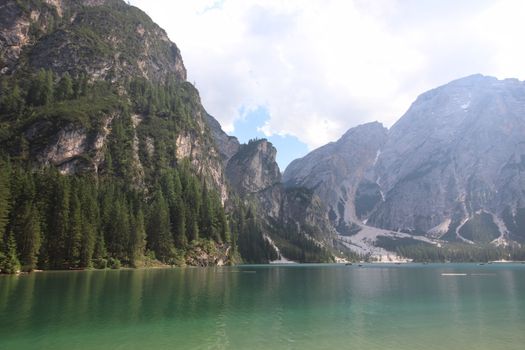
(53, 221)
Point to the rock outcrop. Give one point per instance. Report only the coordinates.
(105, 39)
(109, 41)
(340, 171)
(253, 168)
(254, 174)
(456, 152)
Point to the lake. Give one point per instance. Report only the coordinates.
(268, 307)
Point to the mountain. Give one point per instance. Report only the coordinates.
(450, 169)
(108, 157)
(294, 220)
(336, 171)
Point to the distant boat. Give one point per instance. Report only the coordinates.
(360, 265)
(348, 264)
(481, 264)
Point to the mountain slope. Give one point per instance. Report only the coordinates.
(456, 153)
(108, 157)
(340, 171)
(105, 148)
(450, 168)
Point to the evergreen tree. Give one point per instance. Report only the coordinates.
(12, 101)
(28, 234)
(74, 233)
(137, 238)
(158, 233)
(64, 90)
(41, 89)
(10, 263)
(206, 214)
(59, 223)
(100, 251)
(117, 234)
(5, 173)
(90, 224)
(47, 89)
(179, 223)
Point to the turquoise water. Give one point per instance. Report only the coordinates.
(267, 307)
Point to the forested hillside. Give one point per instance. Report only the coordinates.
(90, 171)
(108, 157)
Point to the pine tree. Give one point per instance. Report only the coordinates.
(64, 90)
(10, 263)
(100, 251)
(206, 214)
(224, 227)
(137, 238)
(12, 101)
(179, 223)
(47, 89)
(158, 233)
(90, 224)
(118, 231)
(5, 172)
(28, 234)
(80, 86)
(74, 233)
(59, 223)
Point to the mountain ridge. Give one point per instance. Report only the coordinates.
(449, 168)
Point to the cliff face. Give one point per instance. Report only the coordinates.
(456, 152)
(95, 87)
(254, 174)
(340, 171)
(227, 145)
(450, 167)
(253, 168)
(104, 39)
(103, 42)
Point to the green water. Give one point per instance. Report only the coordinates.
(267, 307)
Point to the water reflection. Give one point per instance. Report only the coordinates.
(275, 307)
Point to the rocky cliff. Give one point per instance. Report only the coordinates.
(106, 39)
(96, 90)
(295, 220)
(457, 152)
(450, 168)
(340, 171)
(96, 43)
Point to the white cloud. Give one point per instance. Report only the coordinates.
(321, 67)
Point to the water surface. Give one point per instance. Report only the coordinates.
(268, 307)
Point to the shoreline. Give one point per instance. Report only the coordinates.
(387, 263)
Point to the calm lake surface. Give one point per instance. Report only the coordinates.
(268, 307)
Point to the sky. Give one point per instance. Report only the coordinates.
(302, 72)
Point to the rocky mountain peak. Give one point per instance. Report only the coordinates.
(450, 155)
(106, 39)
(336, 170)
(454, 159)
(253, 168)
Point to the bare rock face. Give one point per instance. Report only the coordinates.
(450, 168)
(336, 171)
(456, 152)
(254, 175)
(14, 33)
(227, 145)
(107, 39)
(253, 167)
